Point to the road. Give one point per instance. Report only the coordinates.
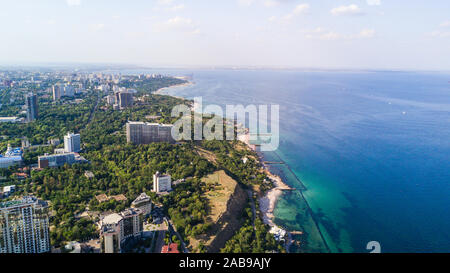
(160, 241)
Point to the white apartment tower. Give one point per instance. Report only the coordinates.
(72, 143)
(162, 183)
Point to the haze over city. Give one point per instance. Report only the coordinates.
(367, 34)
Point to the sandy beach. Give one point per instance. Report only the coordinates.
(161, 90)
(268, 202)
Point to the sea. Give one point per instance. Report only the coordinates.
(368, 152)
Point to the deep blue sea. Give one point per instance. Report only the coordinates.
(372, 150)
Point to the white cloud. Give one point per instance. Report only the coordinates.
(98, 27)
(367, 33)
(440, 34)
(445, 24)
(72, 3)
(177, 7)
(320, 33)
(272, 18)
(179, 24)
(301, 9)
(298, 10)
(245, 2)
(271, 3)
(347, 10)
(373, 2)
(165, 2)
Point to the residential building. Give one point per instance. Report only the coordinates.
(72, 143)
(120, 229)
(124, 99)
(56, 160)
(56, 91)
(110, 233)
(69, 91)
(146, 133)
(144, 203)
(32, 107)
(24, 226)
(8, 190)
(162, 183)
(111, 99)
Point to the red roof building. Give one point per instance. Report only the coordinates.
(172, 248)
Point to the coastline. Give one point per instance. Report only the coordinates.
(267, 202)
(160, 91)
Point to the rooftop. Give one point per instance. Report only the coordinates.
(26, 200)
(141, 198)
(172, 248)
(111, 219)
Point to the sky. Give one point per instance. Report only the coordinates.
(356, 34)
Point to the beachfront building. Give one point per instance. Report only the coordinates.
(56, 160)
(146, 133)
(72, 143)
(24, 226)
(119, 230)
(162, 183)
(144, 203)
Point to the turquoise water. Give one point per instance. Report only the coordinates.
(371, 150)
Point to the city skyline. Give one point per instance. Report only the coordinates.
(357, 34)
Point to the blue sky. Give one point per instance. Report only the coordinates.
(379, 34)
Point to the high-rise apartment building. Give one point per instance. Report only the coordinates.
(162, 183)
(144, 203)
(124, 99)
(32, 107)
(56, 90)
(146, 133)
(24, 226)
(118, 229)
(72, 143)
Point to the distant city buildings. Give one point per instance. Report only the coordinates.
(32, 107)
(146, 133)
(24, 226)
(119, 229)
(162, 183)
(72, 143)
(61, 90)
(144, 203)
